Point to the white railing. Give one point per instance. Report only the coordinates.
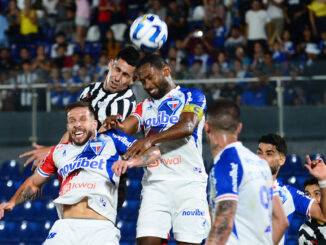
(278, 80)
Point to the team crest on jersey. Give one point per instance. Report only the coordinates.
(97, 145)
(173, 104)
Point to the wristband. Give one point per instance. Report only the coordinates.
(322, 183)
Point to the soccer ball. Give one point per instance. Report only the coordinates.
(148, 32)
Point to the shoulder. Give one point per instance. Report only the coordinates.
(194, 93)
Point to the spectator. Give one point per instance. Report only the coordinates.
(89, 64)
(183, 72)
(200, 54)
(66, 18)
(7, 97)
(24, 55)
(254, 95)
(176, 21)
(173, 64)
(312, 231)
(13, 17)
(220, 33)
(51, 11)
(197, 71)
(28, 24)
(6, 62)
(82, 78)
(232, 13)
(22, 4)
(235, 39)
(193, 38)
(82, 21)
(287, 44)
(157, 8)
(62, 60)
(277, 52)
(215, 71)
(239, 70)
(256, 22)
(27, 77)
(322, 42)
(231, 90)
(41, 64)
(71, 89)
(54, 85)
(213, 9)
(223, 63)
(317, 16)
(76, 62)
(241, 55)
(101, 67)
(60, 38)
(258, 55)
(110, 44)
(105, 9)
(295, 14)
(275, 13)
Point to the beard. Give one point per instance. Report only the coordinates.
(88, 136)
(274, 169)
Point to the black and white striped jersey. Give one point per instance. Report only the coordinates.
(106, 103)
(312, 233)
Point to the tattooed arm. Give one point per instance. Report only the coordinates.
(27, 191)
(223, 224)
(121, 166)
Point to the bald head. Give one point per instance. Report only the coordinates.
(223, 115)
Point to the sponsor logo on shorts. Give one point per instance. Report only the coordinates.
(195, 212)
(51, 235)
(166, 161)
(74, 186)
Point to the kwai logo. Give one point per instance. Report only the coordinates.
(195, 212)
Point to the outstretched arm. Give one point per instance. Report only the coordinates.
(121, 166)
(27, 191)
(223, 224)
(186, 125)
(279, 220)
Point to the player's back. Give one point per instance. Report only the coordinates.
(251, 185)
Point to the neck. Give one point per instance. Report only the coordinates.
(220, 141)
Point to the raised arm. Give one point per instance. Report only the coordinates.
(279, 220)
(27, 191)
(223, 224)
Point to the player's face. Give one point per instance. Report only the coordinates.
(274, 158)
(313, 191)
(81, 125)
(120, 76)
(153, 81)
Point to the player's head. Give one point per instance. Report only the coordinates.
(81, 123)
(121, 70)
(311, 188)
(223, 119)
(273, 149)
(154, 74)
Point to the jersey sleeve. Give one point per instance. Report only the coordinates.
(195, 102)
(122, 141)
(302, 202)
(139, 114)
(85, 94)
(228, 174)
(48, 168)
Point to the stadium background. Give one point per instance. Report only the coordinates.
(280, 87)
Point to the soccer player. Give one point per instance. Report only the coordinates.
(174, 187)
(111, 97)
(88, 195)
(273, 149)
(313, 231)
(241, 183)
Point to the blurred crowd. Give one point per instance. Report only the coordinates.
(67, 44)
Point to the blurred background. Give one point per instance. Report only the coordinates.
(272, 66)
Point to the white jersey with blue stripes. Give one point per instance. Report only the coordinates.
(240, 175)
(293, 201)
(182, 158)
(85, 171)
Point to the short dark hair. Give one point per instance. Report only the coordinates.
(223, 114)
(77, 104)
(152, 59)
(129, 54)
(310, 181)
(276, 140)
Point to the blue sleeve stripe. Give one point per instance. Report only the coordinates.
(227, 196)
(43, 173)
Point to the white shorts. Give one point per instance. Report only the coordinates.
(182, 205)
(83, 232)
(82, 21)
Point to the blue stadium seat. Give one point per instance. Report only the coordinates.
(10, 187)
(28, 231)
(10, 170)
(94, 48)
(134, 188)
(296, 181)
(44, 228)
(315, 156)
(27, 172)
(129, 210)
(135, 173)
(50, 211)
(127, 230)
(292, 165)
(51, 189)
(8, 232)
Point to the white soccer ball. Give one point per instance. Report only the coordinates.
(148, 32)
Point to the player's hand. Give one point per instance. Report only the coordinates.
(138, 148)
(37, 155)
(120, 167)
(6, 207)
(317, 168)
(112, 122)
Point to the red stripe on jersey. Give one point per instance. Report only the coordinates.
(139, 109)
(48, 165)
